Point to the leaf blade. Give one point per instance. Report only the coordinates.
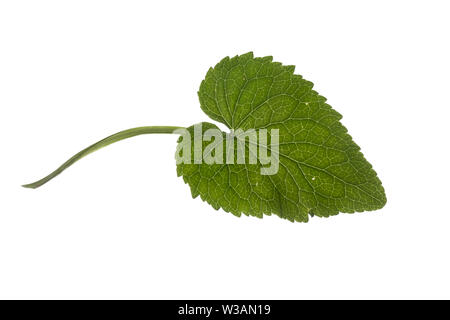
(322, 171)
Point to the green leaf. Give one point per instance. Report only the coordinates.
(321, 170)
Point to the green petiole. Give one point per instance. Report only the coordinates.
(125, 134)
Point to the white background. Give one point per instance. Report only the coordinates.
(120, 224)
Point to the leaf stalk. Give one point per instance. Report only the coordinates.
(125, 134)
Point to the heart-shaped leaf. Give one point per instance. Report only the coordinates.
(321, 170)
